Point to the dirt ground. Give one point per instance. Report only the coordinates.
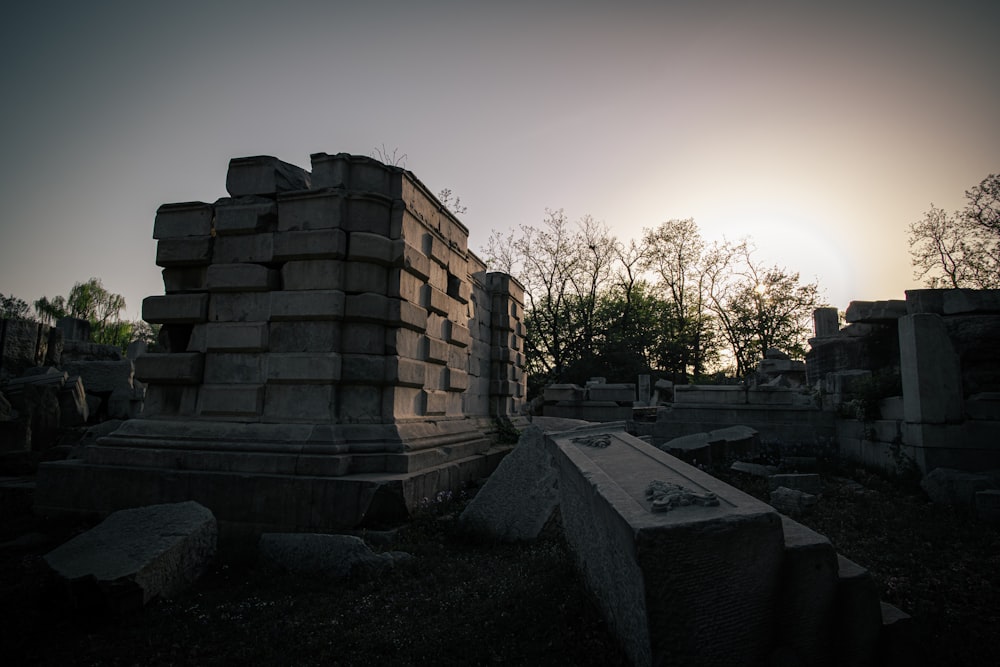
(459, 603)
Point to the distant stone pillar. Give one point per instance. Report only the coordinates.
(826, 322)
(930, 371)
(644, 389)
(508, 383)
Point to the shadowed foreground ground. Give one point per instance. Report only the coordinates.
(458, 603)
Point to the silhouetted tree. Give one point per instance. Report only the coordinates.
(759, 307)
(675, 253)
(962, 249)
(90, 301)
(12, 308)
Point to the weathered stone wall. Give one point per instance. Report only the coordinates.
(354, 301)
(939, 345)
(335, 354)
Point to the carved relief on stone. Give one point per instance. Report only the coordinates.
(601, 440)
(666, 496)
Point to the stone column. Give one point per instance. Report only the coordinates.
(825, 322)
(930, 370)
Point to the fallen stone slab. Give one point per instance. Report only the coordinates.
(138, 554)
(806, 482)
(519, 497)
(755, 469)
(326, 556)
(102, 376)
(714, 446)
(792, 501)
(695, 448)
(958, 488)
(685, 568)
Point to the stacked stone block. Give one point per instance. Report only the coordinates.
(344, 302)
(327, 323)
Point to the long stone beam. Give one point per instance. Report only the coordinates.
(686, 567)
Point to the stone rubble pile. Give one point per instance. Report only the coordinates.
(53, 381)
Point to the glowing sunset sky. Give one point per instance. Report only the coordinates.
(820, 131)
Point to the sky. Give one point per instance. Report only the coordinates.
(819, 130)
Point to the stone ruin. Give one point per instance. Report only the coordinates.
(56, 378)
(335, 354)
(907, 385)
(686, 569)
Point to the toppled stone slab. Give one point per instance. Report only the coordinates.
(326, 556)
(664, 578)
(755, 469)
(714, 446)
(810, 483)
(958, 488)
(520, 495)
(138, 554)
(103, 376)
(792, 501)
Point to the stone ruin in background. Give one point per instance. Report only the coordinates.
(54, 378)
(335, 355)
(907, 385)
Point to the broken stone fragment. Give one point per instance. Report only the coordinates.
(138, 554)
(792, 501)
(328, 556)
(807, 482)
(755, 469)
(520, 495)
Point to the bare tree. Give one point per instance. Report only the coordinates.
(565, 269)
(963, 249)
(393, 159)
(452, 202)
(759, 307)
(674, 252)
